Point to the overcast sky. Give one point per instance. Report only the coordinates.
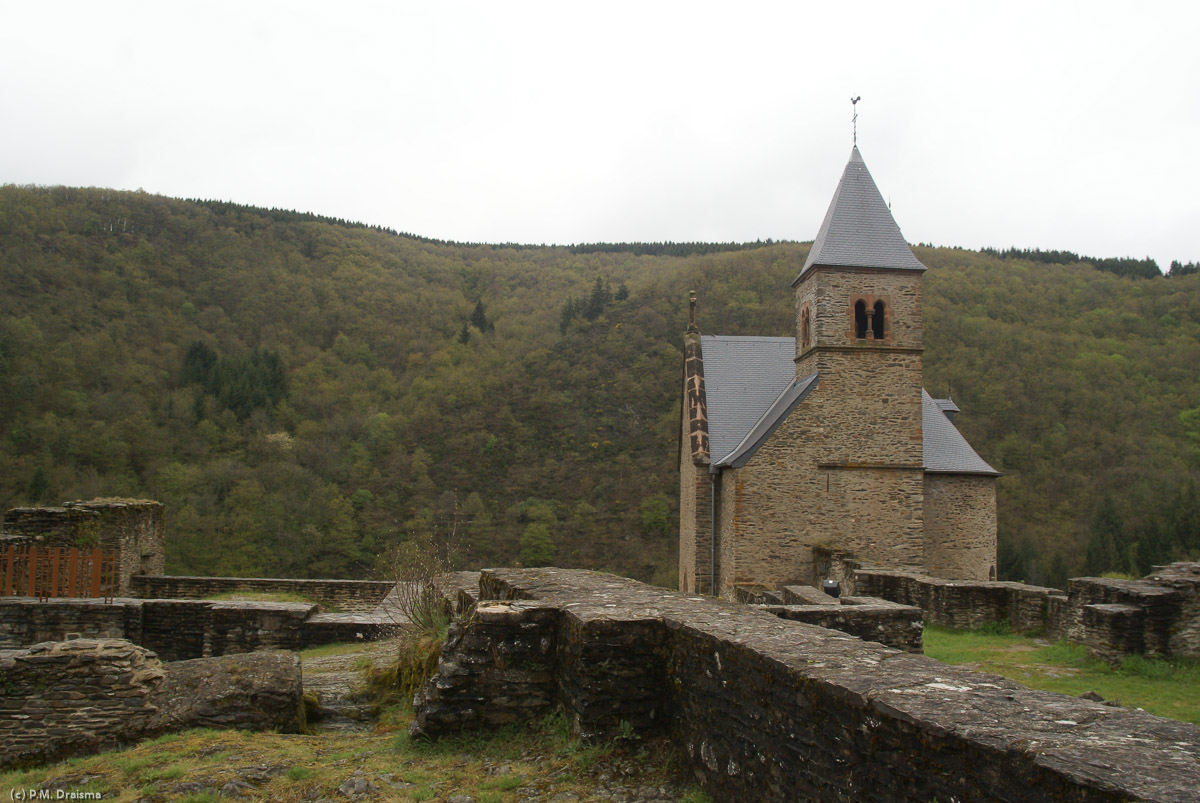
(1050, 125)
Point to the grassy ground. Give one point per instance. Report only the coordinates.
(272, 596)
(382, 763)
(1166, 688)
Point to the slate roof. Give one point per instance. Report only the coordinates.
(743, 377)
(859, 230)
(751, 387)
(946, 450)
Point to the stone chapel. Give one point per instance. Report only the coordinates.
(828, 438)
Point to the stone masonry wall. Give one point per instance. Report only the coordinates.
(1158, 615)
(695, 523)
(831, 293)
(870, 619)
(60, 699)
(25, 621)
(960, 526)
(134, 528)
(784, 501)
(770, 709)
(344, 595)
(968, 604)
(74, 697)
(182, 629)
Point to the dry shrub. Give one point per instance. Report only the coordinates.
(421, 612)
(418, 567)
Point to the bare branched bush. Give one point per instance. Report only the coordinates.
(419, 566)
(418, 601)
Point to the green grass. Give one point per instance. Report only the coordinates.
(1166, 688)
(325, 650)
(273, 596)
(541, 755)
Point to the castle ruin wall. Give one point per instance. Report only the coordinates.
(770, 709)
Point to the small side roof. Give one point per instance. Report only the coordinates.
(767, 423)
(859, 230)
(743, 377)
(946, 405)
(946, 450)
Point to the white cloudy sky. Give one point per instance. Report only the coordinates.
(1052, 125)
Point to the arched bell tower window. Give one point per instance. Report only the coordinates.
(877, 320)
(860, 319)
(805, 327)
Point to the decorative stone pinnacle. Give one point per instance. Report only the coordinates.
(692, 312)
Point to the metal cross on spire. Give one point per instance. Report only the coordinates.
(854, 119)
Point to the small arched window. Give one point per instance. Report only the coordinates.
(860, 320)
(877, 321)
(805, 327)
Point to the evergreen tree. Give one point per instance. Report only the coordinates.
(479, 318)
(567, 314)
(1103, 551)
(39, 487)
(599, 299)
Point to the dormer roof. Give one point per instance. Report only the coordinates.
(859, 230)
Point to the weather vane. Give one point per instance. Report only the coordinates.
(854, 119)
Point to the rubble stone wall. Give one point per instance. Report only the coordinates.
(134, 528)
(25, 621)
(181, 629)
(771, 709)
(350, 596)
(73, 697)
(1158, 615)
(60, 699)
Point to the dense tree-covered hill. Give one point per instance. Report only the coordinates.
(303, 393)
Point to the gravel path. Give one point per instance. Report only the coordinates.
(337, 680)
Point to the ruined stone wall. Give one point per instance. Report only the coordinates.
(68, 698)
(1158, 615)
(179, 630)
(25, 621)
(769, 709)
(870, 619)
(74, 697)
(960, 526)
(344, 595)
(963, 604)
(52, 526)
(135, 529)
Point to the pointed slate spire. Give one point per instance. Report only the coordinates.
(859, 230)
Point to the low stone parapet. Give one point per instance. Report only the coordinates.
(347, 596)
(770, 709)
(1158, 615)
(868, 618)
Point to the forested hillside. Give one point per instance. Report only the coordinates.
(303, 393)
